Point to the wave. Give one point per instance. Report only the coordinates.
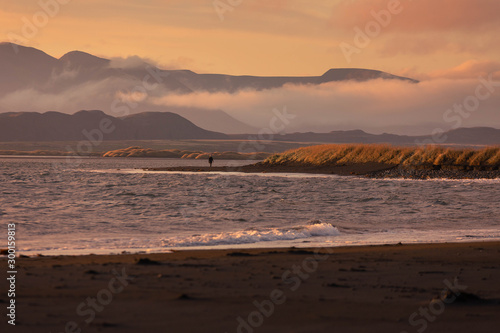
(248, 236)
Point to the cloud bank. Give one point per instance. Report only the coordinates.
(463, 96)
(377, 106)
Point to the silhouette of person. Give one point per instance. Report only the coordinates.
(210, 160)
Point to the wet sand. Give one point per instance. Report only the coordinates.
(344, 170)
(346, 289)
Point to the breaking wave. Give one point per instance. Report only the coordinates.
(314, 229)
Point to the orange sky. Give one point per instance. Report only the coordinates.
(424, 38)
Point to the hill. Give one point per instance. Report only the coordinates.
(96, 125)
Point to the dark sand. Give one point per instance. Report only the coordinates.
(357, 169)
(348, 289)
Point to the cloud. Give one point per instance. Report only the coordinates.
(129, 62)
(96, 95)
(420, 45)
(420, 15)
(469, 70)
(136, 62)
(64, 75)
(378, 105)
(131, 97)
(430, 34)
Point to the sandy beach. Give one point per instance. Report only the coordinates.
(347, 289)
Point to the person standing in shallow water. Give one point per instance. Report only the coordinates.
(210, 160)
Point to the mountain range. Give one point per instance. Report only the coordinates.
(32, 80)
(96, 126)
(460, 136)
(30, 67)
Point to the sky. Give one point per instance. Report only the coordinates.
(419, 38)
(451, 46)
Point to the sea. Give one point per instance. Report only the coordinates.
(72, 206)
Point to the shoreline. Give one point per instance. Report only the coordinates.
(343, 170)
(181, 252)
(368, 170)
(341, 289)
(222, 248)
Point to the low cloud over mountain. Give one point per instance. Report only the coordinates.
(339, 99)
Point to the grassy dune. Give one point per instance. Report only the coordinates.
(192, 145)
(146, 152)
(176, 153)
(350, 154)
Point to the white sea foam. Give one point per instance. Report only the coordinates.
(316, 229)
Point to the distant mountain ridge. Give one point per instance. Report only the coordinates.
(82, 125)
(461, 136)
(92, 67)
(96, 125)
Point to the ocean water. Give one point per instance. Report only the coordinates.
(97, 205)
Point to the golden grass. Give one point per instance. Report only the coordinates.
(187, 154)
(346, 154)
